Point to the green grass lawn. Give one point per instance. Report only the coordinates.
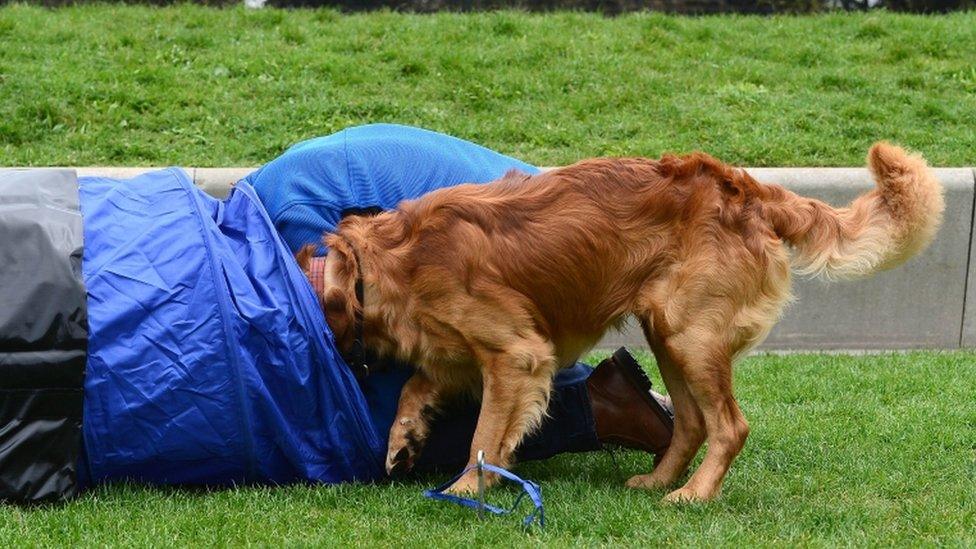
(845, 450)
(196, 86)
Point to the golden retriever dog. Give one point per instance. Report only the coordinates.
(490, 289)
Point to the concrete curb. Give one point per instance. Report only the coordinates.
(214, 181)
(928, 303)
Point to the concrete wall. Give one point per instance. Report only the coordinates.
(928, 303)
(215, 181)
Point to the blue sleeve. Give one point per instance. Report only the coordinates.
(307, 189)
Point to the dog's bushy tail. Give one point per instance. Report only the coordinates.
(879, 230)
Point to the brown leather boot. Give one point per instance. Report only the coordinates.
(626, 410)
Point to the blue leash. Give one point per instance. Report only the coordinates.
(532, 489)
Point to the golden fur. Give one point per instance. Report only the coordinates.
(490, 289)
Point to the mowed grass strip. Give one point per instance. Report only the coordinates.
(845, 450)
(186, 85)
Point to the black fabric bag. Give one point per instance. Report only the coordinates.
(43, 335)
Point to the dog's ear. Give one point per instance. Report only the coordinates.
(304, 257)
(334, 302)
(346, 260)
(334, 305)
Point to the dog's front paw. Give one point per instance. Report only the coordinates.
(403, 448)
(463, 488)
(399, 461)
(468, 484)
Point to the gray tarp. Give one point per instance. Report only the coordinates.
(43, 334)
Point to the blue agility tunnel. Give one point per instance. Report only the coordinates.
(209, 361)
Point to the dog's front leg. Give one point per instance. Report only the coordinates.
(515, 397)
(418, 401)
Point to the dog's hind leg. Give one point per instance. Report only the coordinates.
(689, 427)
(517, 383)
(706, 366)
(418, 401)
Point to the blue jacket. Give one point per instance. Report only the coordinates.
(307, 189)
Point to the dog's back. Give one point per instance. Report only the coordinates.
(581, 241)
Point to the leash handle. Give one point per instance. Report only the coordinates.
(533, 490)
